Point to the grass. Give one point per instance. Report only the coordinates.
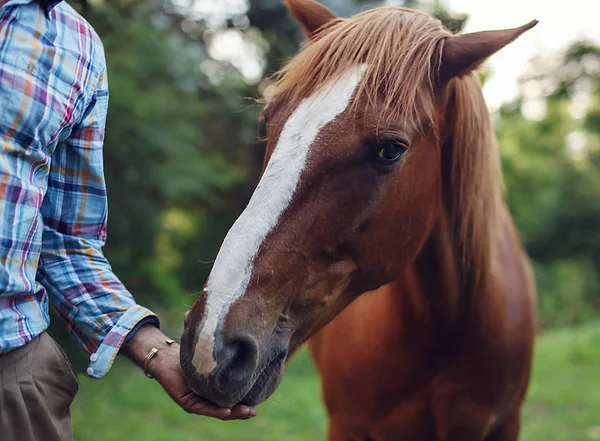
(564, 397)
(563, 402)
(126, 405)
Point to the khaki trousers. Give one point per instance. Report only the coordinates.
(37, 387)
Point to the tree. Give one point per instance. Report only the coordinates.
(552, 170)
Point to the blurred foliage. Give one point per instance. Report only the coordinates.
(183, 152)
(552, 170)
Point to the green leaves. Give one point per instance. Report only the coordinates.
(552, 172)
(172, 142)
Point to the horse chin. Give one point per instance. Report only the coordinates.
(267, 382)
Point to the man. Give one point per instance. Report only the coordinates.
(53, 213)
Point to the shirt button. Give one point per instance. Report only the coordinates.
(90, 371)
(94, 357)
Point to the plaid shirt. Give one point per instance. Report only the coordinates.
(53, 207)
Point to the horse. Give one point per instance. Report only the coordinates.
(379, 235)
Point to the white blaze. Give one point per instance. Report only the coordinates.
(232, 269)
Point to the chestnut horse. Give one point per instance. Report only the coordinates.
(381, 205)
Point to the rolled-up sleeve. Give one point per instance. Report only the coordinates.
(99, 311)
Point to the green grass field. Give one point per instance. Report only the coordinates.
(563, 402)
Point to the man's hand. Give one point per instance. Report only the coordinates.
(164, 367)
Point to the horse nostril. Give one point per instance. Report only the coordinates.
(240, 357)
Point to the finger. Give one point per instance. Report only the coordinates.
(242, 412)
(202, 407)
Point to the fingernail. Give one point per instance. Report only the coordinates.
(251, 412)
(227, 412)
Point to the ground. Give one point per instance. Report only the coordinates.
(563, 401)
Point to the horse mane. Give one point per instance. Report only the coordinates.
(475, 174)
(406, 85)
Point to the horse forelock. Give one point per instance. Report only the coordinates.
(401, 49)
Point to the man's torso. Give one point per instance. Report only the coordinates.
(46, 64)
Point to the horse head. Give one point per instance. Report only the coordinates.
(353, 179)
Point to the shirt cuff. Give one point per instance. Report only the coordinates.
(102, 360)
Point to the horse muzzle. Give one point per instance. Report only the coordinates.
(242, 372)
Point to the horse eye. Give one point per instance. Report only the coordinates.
(391, 152)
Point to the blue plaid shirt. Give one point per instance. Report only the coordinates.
(53, 207)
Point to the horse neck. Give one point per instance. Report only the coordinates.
(439, 299)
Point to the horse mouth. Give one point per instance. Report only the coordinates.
(267, 380)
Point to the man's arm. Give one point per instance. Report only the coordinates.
(82, 288)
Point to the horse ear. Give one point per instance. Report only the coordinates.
(466, 52)
(311, 15)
